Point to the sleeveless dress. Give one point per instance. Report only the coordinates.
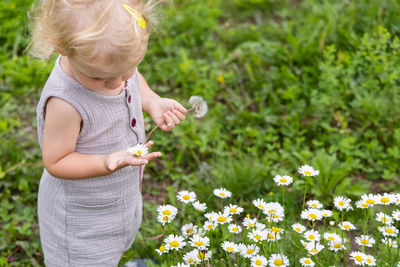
(91, 222)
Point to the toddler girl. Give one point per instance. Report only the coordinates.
(89, 113)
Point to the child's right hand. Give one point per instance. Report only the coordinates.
(120, 159)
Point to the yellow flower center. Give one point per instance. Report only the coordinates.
(174, 244)
(341, 203)
(276, 216)
(272, 211)
(278, 262)
(331, 238)
(257, 237)
(358, 258)
(163, 248)
(234, 229)
(369, 260)
(189, 231)
(232, 210)
(166, 212)
(139, 152)
(258, 262)
(385, 200)
(389, 231)
(230, 249)
(199, 243)
(201, 255)
(221, 219)
(314, 205)
(283, 180)
(210, 226)
(312, 237)
(298, 229)
(165, 218)
(384, 219)
(186, 197)
(364, 205)
(370, 201)
(389, 244)
(307, 173)
(313, 216)
(337, 245)
(222, 194)
(314, 250)
(365, 241)
(261, 207)
(271, 236)
(275, 229)
(190, 260)
(250, 251)
(346, 226)
(307, 261)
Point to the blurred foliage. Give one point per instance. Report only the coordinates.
(287, 83)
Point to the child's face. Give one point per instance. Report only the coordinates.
(105, 85)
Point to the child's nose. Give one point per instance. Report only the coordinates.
(113, 83)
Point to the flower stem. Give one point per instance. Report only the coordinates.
(305, 192)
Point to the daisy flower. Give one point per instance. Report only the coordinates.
(249, 223)
(191, 257)
(179, 264)
(278, 260)
(199, 106)
(361, 205)
(283, 180)
(162, 250)
(272, 208)
(315, 204)
(186, 196)
(312, 235)
(164, 219)
(174, 242)
(336, 246)
(311, 214)
(222, 193)
(260, 226)
(203, 256)
(229, 247)
(370, 260)
(307, 262)
(138, 150)
(326, 213)
(342, 203)
(369, 199)
(258, 260)
(234, 228)
(199, 206)
(332, 237)
(396, 215)
(389, 231)
(211, 216)
(199, 242)
(346, 226)
(385, 199)
(167, 210)
(272, 236)
(384, 218)
(257, 235)
(233, 209)
(209, 225)
(188, 229)
(389, 242)
(365, 240)
(299, 228)
(358, 257)
(314, 248)
(248, 251)
(223, 218)
(259, 203)
(307, 170)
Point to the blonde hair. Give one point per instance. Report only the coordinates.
(92, 33)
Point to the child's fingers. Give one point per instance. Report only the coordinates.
(179, 115)
(179, 107)
(169, 124)
(149, 144)
(174, 118)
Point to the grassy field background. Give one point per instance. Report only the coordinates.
(287, 83)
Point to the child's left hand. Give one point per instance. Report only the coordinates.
(167, 113)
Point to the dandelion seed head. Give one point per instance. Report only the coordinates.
(199, 106)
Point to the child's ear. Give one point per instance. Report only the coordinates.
(61, 51)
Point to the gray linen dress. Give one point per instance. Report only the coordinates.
(91, 222)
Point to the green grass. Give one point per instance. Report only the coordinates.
(287, 83)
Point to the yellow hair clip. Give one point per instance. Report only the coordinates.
(136, 15)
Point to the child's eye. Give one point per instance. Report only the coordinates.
(98, 79)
